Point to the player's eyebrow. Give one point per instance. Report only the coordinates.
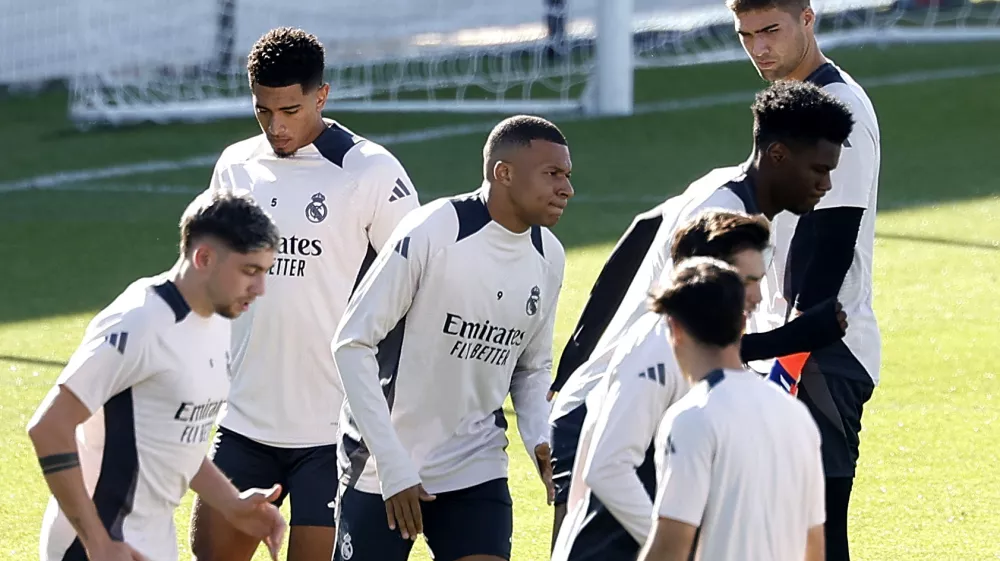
(761, 30)
(285, 108)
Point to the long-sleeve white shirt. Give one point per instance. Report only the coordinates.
(456, 313)
(336, 201)
(724, 188)
(623, 413)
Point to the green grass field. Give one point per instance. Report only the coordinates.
(927, 488)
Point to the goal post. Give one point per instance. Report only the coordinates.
(132, 60)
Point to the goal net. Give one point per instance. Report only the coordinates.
(134, 60)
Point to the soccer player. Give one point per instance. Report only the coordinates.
(336, 198)
(798, 132)
(826, 253)
(455, 314)
(610, 505)
(144, 388)
(738, 459)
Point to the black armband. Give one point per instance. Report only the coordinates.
(59, 462)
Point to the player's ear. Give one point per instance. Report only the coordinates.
(322, 93)
(203, 255)
(501, 172)
(777, 152)
(808, 18)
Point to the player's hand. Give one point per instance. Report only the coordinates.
(403, 509)
(254, 515)
(841, 317)
(543, 454)
(549, 395)
(115, 551)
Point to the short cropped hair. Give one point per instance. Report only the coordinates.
(799, 113)
(720, 234)
(236, 221)
(286, 56)
(790, 6)
(520, 130)
(706, 297)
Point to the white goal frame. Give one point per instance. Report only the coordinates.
(608, 76)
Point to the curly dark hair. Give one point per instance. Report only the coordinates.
(286, 56)
(794, 112)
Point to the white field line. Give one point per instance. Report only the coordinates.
(62, 180)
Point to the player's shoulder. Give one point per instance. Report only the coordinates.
(352, 152)
(841, 85)
(243, 151)
(720, 188)
(145, 308)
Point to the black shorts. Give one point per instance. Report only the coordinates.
(474, 521)
(565, 438)
(836, 396)
(309, 475)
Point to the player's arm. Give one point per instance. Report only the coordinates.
(836, 221)
(626, 424)
(109, 361)
(814, 329)
(250, 511)
(607, 293)
(380, 302)
(683, 490)
(392, 196)
(815, 537)
(52, 432)
(529, 383)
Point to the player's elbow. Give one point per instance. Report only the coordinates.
(598, 478)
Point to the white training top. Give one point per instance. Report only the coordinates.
(855, 184)
(335, 202)
(723, 188)
(456, 313)
(740, 458)
(623, 413)
(154, 376)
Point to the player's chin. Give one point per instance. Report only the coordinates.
(551, 216)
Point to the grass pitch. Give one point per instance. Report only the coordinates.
(927, 487)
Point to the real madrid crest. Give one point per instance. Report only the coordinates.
(531, 307)
(316, 211)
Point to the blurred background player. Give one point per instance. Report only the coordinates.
(827, 253)
(610, 503)
(738, 460)
(336, 198)
(146, 385)
(798, 132)
(455, 315)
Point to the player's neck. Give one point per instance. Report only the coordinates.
(814, 59)
(502, 211)
(318, 129)
(762, 189)
(709, 360)
(191, 289)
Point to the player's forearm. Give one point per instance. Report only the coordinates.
(620, 491)
(59, 459)
(670, 541)
(816, 544)
(370, 411)
(214, 488)
(527, 394)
